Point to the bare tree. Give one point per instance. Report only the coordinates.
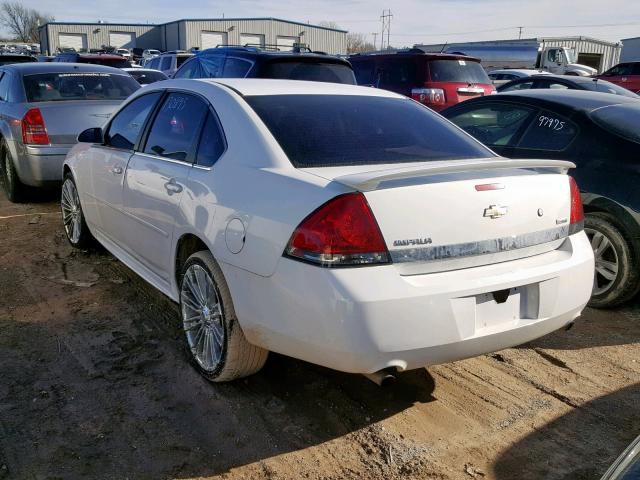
(329, 24)
(357, 43)
(22, 22)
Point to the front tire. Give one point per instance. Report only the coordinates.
(616, 276)
(73, 220)
(215, 342)
(13, 187)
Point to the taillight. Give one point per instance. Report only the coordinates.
(576, 219)
(429, 96)
(34, 131)
(342, 232)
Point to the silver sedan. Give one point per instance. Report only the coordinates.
(43, 108)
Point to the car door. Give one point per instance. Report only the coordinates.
(618, 74)
(497, 124)
(156, 177)
(101, 176)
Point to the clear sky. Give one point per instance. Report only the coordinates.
(414, 21)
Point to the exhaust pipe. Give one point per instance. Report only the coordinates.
(382, 377)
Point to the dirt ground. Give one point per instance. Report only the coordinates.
(94, 383)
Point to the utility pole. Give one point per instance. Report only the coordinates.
(375, 36)
(386, 27)
(520, 32)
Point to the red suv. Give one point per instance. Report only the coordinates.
(626, 75)
(437, 80)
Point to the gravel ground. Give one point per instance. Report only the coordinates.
(95, 384)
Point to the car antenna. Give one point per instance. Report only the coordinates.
(443, 47)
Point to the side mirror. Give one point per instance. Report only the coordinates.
(91, 135)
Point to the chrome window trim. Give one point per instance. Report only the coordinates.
(157, 157)
(482, 247)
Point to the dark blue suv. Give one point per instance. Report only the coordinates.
(261, 62)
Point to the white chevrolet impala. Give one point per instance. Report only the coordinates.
(346, 226)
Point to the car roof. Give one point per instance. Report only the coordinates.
(263, 86)
(259, 52)
(584, 100)
(414, 52)
(59, 67)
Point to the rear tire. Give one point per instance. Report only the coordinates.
(617, 277)
(13, 187)
(215, 342)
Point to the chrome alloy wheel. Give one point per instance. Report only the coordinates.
(606, 259)
(71, 211)
(202, 317)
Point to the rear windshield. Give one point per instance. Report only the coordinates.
(146, 77)
(49, 87)
(621, 120)
(17, 59)
(109, 62)
(336, 130)
(313, 71)
(457, 71)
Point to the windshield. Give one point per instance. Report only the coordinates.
(313, 71)
(621, 120)
(50, 87)
(463, 71)
(608, 87)
(146, 77)
(337, 130)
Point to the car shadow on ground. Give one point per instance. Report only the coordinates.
(102, 388)
(596, 431)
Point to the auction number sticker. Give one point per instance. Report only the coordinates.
(550, 123)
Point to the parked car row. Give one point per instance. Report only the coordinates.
(382, 186)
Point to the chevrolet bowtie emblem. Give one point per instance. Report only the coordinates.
(495, 211)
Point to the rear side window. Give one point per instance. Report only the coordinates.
(176, 127)
(549, 131)
(49, 87)
(621, 120)
(211, 66)
(212, 144)
(464, 71)
(5, 80)
(236, 68)
(313, 71)
(126, 126)
(336, 130)
(398, 72)
(494, 125)
(166, 62)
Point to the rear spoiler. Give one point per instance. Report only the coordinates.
(368, 181)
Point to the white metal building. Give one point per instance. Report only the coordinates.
(595, 53)
(192, 33)
(630, 50)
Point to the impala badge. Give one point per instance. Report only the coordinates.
(495, 211)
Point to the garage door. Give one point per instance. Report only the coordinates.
(212, 39)
(286, 43)
(77, 41)
(251, 39)
(122, 39)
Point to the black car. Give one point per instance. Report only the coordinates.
(565, 82)
(599, 133)
(260, 62)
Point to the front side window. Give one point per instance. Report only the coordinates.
(126, 126)
(166, 62)
(619, 70)
(518, 86)
(175, 129)
(155, 64)
(493, 125)
(211, 66)
(212, 143)
(338, 130)
(49, 87)
(548, 131)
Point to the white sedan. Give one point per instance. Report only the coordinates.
(346, 226)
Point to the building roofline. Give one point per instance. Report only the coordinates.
(632, 38)
(534, 39)
(235, 19)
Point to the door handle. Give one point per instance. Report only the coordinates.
(116, 170)
(172, 187)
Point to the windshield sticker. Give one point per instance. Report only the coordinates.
(84, 74)
(462, 62)
(550, 123)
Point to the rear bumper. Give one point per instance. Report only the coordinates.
(38, 166)
(364, 319)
